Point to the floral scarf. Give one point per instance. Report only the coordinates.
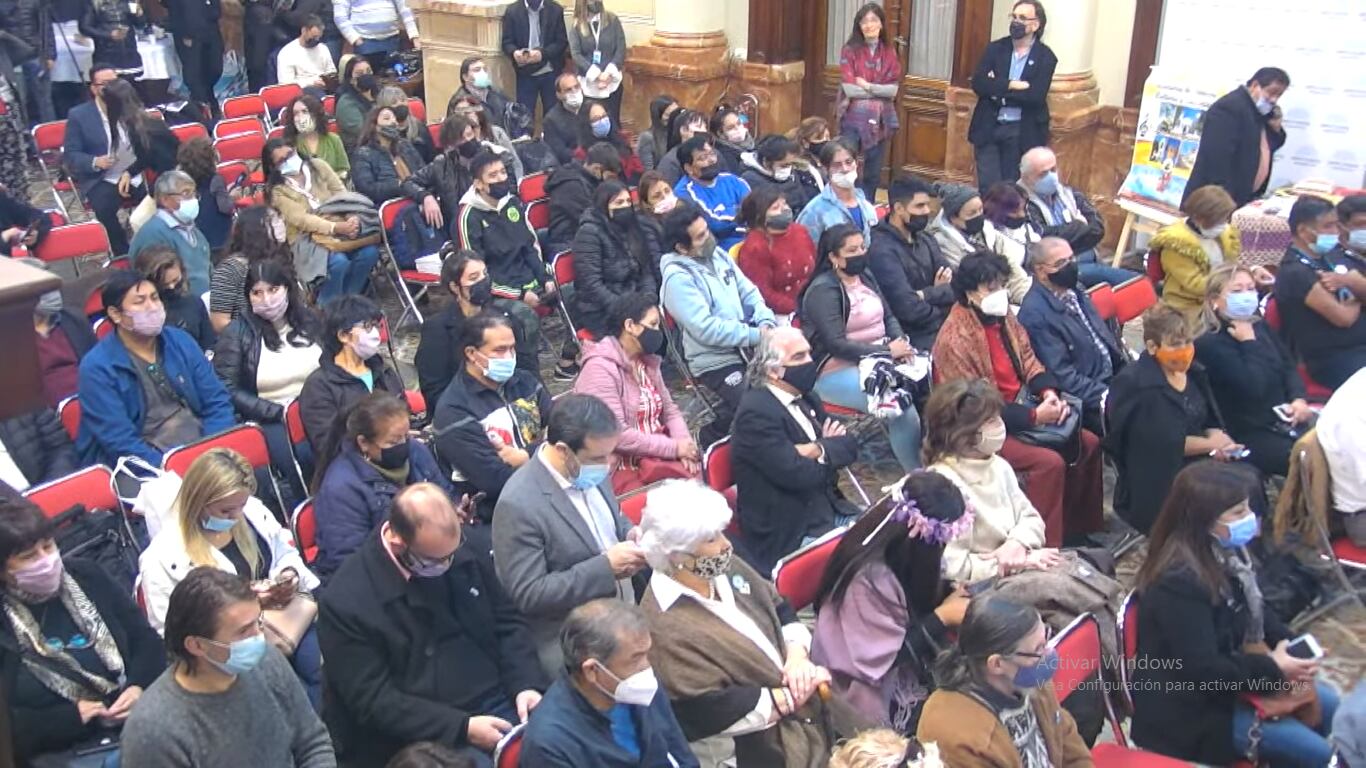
(873, 120)
(87, 618)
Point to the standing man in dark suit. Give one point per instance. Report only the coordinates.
(787, 453)
(93, 166)
(194, 25)
(559, 538)
(1011, 82)
(421, 643)
(1242, 131)
(534, 37)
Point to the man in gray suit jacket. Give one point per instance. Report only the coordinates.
(559, 538)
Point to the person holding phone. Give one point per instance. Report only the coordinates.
(535, 39)
(1201, 613)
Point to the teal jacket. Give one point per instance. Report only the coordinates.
(159, 231)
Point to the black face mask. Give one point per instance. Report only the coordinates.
(816, 147)
(594, 6)
(468, 149)
(854, 265)
(916, 224)
(480, 292)
(312, 42)
(973, 226)
(500, 189)
(391, 132)
(1065, 278)
(710, 172)
(652, 341)
(401, 113)
(802, 377)
(393, 457)
(622, 217)
(367, 83)
(1017, 30)
(170, 292)
(1015, 222)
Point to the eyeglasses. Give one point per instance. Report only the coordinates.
(76, 642)
(367, 326)
(1047, 637)
(1018, 17)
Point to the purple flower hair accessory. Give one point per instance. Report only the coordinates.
(923, 527)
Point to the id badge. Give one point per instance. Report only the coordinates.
(597, 57)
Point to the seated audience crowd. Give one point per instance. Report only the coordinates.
(387, 565)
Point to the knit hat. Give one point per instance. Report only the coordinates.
(954, 196)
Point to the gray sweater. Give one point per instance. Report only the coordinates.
(264, 719)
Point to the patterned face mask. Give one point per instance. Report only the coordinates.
(711, 566)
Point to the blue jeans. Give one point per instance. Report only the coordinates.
(376, 51)
(533, 87)
(38, 83)
(1092, 272)
(843, 388)
(348, 272)
(308, 665)
(1288, 743)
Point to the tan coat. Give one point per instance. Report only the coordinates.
(1300, 505)
(294, 209)
(970, 734)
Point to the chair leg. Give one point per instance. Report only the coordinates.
(867, 502)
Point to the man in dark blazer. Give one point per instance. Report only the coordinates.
(95, 170)
(1067, 334)
(199, 44)
(420, 641)
(559, 538)
(787, 453)
(1242, 131)
(534, 38)
(1011, 81)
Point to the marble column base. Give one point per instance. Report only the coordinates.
(691, 67)
(453, 31)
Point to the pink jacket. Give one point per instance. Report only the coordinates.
(606, 374)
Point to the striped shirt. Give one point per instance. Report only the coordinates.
(359, 20)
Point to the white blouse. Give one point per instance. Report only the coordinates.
(280, 375)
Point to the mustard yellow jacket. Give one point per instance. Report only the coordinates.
(1187, 265)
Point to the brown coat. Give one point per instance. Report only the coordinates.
(970, 734)
(960, 351)
(294, 209)
(1302, 507)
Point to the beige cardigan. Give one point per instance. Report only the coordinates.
(1002, 512)
(293, 206)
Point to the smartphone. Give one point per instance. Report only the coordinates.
(1305, 647)
(103, 745)
(1284, 413)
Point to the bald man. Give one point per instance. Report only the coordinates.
(787, 452)
(1067, 334)
(420, 641)
(1054, 209)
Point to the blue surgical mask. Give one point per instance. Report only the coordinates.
(1242, 305)
(188, 211)
(291, 166)
(602, 127)
(591, 476)
(1240, 532)
(1047, 185)
(1264, 105)
(482, 79)
(218, 524)
(1325, 242)
(1040, 673)
(243, 655)
(500, 369)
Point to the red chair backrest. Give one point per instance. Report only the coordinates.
(187, 131)
(70, 412)
(538, 214)
(305, 525)
(74, 241)
(278, 132)
(389, 211)
(232, 172)
(238, 126)
(882, 210)
(330, 105)
(246, 439)
(532, 187)
(797, 577)
(1128, 628)
(716, 466)
(277, 97)
(417, 404)
(417, 109)
(103, 327)
(57, 218)
(633, 507)
(50, 136)
(1103, 297)
(1134, 297)
(434, 130)
(1272, 314)
(1152, 265)
(564, 268)
(508, 753)
(250, 105)
(1079, 655)
(243, 146)
(294, 423)
(89, 487)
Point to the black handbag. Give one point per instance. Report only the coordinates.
(1065, 438)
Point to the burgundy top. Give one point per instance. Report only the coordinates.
(58, 364)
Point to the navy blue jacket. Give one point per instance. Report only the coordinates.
(1065, 347)
(565, 730)
(112, 405)
(85, 141)
(355, 498)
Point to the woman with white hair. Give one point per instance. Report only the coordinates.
(728, 649)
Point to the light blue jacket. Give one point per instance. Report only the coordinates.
(718, 309)
(159, 231)
(825, 211)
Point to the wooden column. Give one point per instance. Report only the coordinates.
(20, 378)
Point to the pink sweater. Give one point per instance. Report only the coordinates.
(607, 375)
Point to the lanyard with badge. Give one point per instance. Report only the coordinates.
(1325, 264)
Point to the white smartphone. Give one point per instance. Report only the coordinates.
(1284, 413)
(1305, 647)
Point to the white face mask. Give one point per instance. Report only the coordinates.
(996, 303)
(993, 436)
(782, 174)
(737, 134)
(574, 100)
(1214, 232)
(366, 344)
(847, 180)
(637, 690)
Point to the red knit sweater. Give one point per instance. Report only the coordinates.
(779, 266)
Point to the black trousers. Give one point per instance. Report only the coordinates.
(258, 37)
(999, 159)
(728, 384)
(105, 201)
(202, 64)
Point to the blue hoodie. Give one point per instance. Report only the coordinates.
(825, 211)
(720, 203)
(717, 307)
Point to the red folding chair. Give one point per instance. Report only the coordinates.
(243, 146)
(1127, 625)
(69, 411)
(1133, 297)
(49, 138)
(103, 327)
(538, 214)
(797, 577)
(278, 132)
(277, 97)
(434, 130)
(417, 109)
(882, 210)
(304, 524)
(508, 753)
(1152, 267)
(187, 131)
(250, 105)
(1103, 297)
(532, 187)
(237, 173)
(719, 473)
(245, 439)
(238, 126)
(91, 487)
(389, 212)
(562, 266)
(633, 505)
(330, 105)
(417, 404)
(673, 332)
(77, 242)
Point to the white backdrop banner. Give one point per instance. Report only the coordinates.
(1320, 43)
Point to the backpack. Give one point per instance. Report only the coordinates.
(412, 237)
(103, 537)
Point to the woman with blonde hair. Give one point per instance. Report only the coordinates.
(1252, 376)
(884, 748)
(218, 522)
(598, 45)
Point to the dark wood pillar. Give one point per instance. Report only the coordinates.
(1142, 49)
(973, 34)
(776, 30)
(20, 379)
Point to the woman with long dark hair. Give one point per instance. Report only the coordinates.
(1201, 611)
(264, 356)
(153, 144)
(652, 144)
(596, 126)
(160, 264)
(306, 131)
(612, 257)
(257, 233)
(730, 133)
(383, 157)
(884, 611)
(870, 73)
(994, 707)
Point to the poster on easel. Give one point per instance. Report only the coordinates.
(1171, 119)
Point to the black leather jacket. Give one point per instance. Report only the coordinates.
(31, 21)
(100, 19)
(445, 177)
(235, 360)
(824, 311)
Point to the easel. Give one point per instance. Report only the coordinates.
(1139, 218)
